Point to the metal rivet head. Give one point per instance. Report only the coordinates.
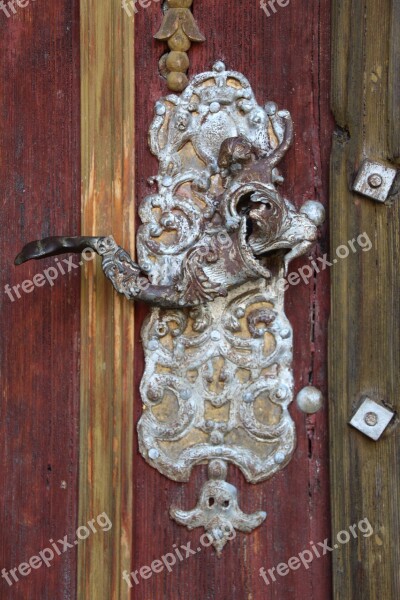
(153, 345)
(248, 397)
(215, 336)
(281, 393)
(215, 107)
(219, 66)
(375, 180)
(167, 181)
(160, 109)
(279, 458)
(154, 454)
(217, 438)
(285, 334)
(186, 394)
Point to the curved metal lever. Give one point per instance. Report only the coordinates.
(53, 246)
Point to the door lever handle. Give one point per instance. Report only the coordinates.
(216, 239)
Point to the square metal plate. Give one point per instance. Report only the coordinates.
(372, 419)
(374, 179)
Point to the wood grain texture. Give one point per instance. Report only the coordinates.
(394, 84)
(286, 58)
(364, 328)
(39, 356)
(107, 328)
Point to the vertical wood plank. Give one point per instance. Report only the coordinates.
(107, 327)
(394, 84)
(365, 304)
(39, 345)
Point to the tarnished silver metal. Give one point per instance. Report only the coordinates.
(372, 419)
(217, 509)
(374, 179)
(215, 242)
(310, 400)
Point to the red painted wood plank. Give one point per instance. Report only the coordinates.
(286, 58)
(40, 195)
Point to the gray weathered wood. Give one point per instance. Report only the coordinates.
(365, 302)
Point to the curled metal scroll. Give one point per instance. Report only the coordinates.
(216, 238)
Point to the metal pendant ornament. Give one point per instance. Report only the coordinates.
(216, 240)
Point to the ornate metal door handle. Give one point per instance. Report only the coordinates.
(215, 241)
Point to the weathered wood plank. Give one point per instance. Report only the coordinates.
(365, 306)
(394, 84)
(39, 347)
(107, 327)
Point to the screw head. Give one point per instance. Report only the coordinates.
(371, 419)
(375, 180)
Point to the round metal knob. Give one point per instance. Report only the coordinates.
(310, 400)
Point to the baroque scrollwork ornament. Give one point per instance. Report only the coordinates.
(216, 239)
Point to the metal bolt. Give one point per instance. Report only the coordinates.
(371, 419)
(154, 454)
(375, 180)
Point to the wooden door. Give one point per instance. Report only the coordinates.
(79, 82)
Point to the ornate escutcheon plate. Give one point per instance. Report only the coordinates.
(218, 379)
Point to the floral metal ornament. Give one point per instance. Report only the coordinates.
(216, 240)
(179, 29)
